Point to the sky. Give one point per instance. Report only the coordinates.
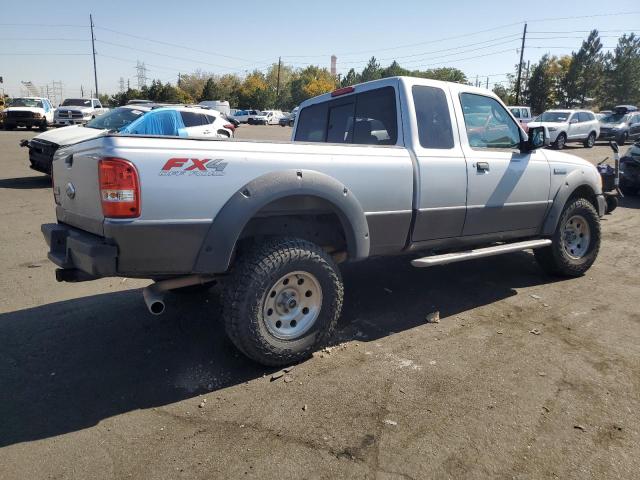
(43, 41)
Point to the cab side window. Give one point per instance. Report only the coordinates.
(433, 117)
(488, 124)
(192, 119)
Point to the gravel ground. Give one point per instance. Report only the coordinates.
(92, 386)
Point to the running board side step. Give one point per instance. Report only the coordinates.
(479, 253)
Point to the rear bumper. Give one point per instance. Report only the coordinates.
(75, 250)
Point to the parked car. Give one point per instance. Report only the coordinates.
(622, 125)
(630, 170)
(76, 111)
(43, 147)
(246, 116)
(523, 115)
(28, 112)
(272, 220)
(268, 117)
(567, 126)
(289, 119)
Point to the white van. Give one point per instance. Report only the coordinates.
(220, 105)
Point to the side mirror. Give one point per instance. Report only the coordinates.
(574, 120)
(537, 137)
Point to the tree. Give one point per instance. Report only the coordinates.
(310, 82)
(351, 78)
(209, 91)
(394, 70)
(541, 85)
(622, 72)
(585, 72)
(255, 92)
(447, 74)
(372, 71)
(502, 92)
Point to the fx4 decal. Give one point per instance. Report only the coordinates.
(176, 167)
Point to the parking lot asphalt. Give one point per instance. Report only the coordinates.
(525, 376)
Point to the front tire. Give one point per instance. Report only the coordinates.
(283, 301)
(576, 241)
(561, 141)
(590, 141)
(622, 139)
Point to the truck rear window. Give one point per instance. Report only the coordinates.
(368, 118)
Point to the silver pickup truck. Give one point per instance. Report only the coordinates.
(395, 166)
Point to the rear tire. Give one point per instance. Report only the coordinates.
(590, 141)
(560, 142)
(568, 255)
(283, 301)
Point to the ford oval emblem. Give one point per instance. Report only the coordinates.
(71, 190)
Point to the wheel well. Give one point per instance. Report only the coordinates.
(310, 218)
(224, 132)
(586, 192)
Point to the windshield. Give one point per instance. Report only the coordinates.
(115, 119)
(78, 102)
(25, 102)
(616, 118)
(554, 117)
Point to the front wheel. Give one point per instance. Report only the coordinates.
(576, 241)
(590, 141)
(283, 301)
(561, 141)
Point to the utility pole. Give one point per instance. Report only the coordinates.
(93, 48)
(477, 84)
(487, 83)
(524, 36)
(128, 84)
(179, 78)
(278, 83)
(81, 91)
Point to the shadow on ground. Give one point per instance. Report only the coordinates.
(26, 183)
(67, 365)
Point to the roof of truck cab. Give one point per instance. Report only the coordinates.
(395, 82)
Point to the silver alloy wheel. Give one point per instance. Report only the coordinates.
(292, 305)
(591, 140)
(561, 142)
(576, 236)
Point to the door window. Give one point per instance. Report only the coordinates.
(583, 117)
(192, 119)
(433, 118)
(487, 123)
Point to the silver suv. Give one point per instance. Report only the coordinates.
(569, 126)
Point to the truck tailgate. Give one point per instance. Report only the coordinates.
(75, 180)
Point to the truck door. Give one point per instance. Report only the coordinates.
(507, 190)
(442, 169)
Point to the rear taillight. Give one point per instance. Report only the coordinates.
(230, 126)
(119, 188)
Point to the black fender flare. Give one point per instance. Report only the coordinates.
(572, 182)
(220, 242)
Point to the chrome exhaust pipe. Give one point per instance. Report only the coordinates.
(154, 294)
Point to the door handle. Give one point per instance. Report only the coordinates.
(482, 166)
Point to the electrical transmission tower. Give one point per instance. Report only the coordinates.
(141, 70)
(121, 84)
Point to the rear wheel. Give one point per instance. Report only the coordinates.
(561, 141)
(590, 141)
(576, 241)
(283, 301)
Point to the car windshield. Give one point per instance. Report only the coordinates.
(115, 119)
(25, 102)
(616, 118)
(554, 117)
(76, 102)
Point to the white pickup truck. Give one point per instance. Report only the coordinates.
(78, 111)
(394, 166)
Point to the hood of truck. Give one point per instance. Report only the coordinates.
(70, 135)
(25, 109)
